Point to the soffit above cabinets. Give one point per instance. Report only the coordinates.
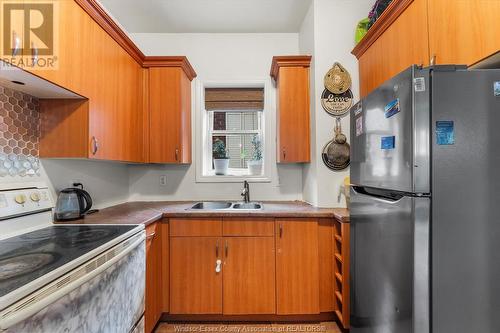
(32, 84)
(213, 16)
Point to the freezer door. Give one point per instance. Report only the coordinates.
(390, 135)
(389, 262)
(466, 196)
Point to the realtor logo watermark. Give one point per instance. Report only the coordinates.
(29, 33)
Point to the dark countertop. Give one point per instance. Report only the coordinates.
(148, 212)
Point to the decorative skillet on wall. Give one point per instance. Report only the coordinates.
(336, 153)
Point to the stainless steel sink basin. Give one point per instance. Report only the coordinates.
(247, 205)
(212, 205)
(219, 205)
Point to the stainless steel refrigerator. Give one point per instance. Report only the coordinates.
(425, 203)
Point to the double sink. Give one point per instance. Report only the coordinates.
(226, 205)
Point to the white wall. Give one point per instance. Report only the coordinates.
(307, 46)
(334, 25)
(107, 182)
(218, 57)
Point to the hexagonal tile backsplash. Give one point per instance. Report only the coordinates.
(19, 133)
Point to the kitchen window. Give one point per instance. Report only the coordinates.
(233, 122)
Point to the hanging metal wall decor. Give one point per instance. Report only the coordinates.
(337, 97)
(336, 153)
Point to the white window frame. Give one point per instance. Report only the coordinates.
(203, 135)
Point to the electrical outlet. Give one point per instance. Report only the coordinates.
(163, 180)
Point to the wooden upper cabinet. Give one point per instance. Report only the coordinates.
(195, 286)
(297, 266)
(96, 67)
(396, 41)
(463, 31)
(170, 115)
(425, 32)
(249, 276)
(113, 120)
(291, 74)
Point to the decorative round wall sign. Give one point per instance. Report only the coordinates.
(337, 79)
(336, 105)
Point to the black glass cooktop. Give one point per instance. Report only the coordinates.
(26, 257)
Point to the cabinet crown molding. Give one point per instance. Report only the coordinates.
(106, 22)
(390, 14)
(170, 61)
(289, 61)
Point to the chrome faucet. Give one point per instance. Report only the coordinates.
(245, 193)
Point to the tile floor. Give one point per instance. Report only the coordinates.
(325, 327)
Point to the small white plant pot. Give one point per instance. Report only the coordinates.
(254, 168)
(221, 165)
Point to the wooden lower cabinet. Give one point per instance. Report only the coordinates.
(154, 266)
(326, 283)
(268, 267)
(341, 254)
(249, 276)
(195, 286)
(297, 266)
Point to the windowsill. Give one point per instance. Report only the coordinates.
(232, 178)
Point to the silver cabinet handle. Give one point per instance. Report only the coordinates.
(284, 154)
(177, 154)
(226, 249)
(151, 236)
(95, 145)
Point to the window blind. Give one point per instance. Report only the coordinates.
(225, 99)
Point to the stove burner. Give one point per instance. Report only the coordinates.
(23, 264)
(45, 234)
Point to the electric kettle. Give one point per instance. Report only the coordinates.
(72, 203)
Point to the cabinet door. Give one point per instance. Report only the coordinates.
(463, 31)
(293, 115)
(297, 266)
(170, 115)
(404, 43)
(249, 276)
(153, 276)
(326, 277)
(195, 286)
(95, 66)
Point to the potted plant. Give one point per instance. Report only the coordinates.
(255, 164)
(221, 160)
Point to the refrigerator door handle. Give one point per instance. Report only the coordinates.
(380, 195)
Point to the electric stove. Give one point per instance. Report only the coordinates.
(27, 257)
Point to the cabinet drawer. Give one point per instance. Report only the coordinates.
(196, 227)
(248, 226)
